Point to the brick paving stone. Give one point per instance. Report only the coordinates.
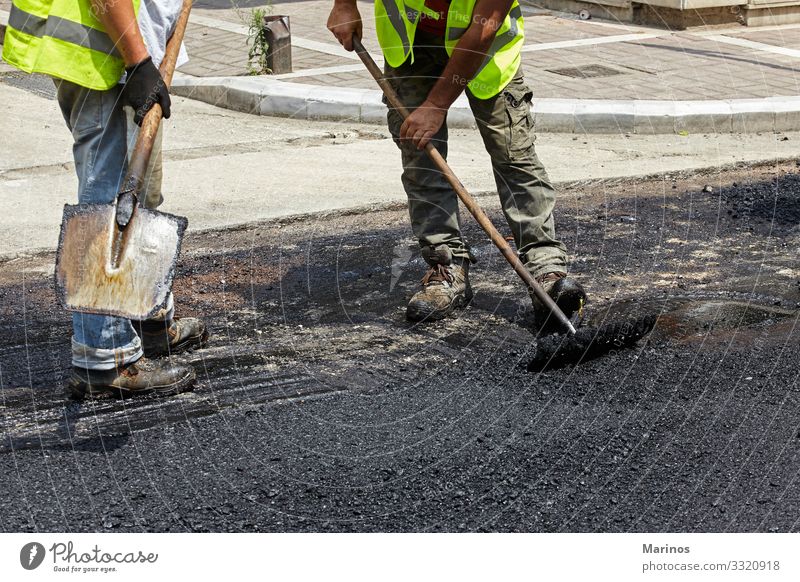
(680, 65)
(357, 80)
(542, 29)
(215, 52)
(308, 59)
(307, 17)
(700, 71)
(787, 38)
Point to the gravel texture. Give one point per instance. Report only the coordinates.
(321, 409)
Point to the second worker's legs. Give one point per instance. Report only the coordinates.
(432, 203)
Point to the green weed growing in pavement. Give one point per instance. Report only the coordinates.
(256, 38)
(257, 41)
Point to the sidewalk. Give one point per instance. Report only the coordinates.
(587, 76)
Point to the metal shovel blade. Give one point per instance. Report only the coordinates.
(135, 283)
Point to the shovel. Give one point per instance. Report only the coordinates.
(119, 258)
(554, 351)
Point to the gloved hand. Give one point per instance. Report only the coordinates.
(143, 88)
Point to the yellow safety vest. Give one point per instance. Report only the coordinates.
(64, 39)
(396, 22)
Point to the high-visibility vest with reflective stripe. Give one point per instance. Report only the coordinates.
(396, 22)
(64, 39)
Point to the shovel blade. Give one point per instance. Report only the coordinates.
(86, 277)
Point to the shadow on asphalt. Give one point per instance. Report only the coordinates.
(320, 408)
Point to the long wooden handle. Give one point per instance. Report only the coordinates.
(464, 196)
(140, 157)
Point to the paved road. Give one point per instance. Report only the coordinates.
(224, 168)
(321, 409)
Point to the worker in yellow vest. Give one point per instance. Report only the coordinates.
(434, 50)
(98, 58)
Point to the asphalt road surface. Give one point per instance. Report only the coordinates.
(321, 409)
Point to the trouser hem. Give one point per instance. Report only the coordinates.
(91, 358)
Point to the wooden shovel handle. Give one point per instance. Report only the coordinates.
(468, 201)
(140, 157)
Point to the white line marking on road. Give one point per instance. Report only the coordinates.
(3, 17)
(324, 71)
(745, 29)
(324, 47)
(759, 46)
(219, 24)
(314, 45)
(544, 46)
(619, 25)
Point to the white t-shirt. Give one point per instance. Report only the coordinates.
(157, 20)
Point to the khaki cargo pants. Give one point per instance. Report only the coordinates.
(506, 125)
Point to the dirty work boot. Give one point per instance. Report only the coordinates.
(141, 377)
(444, 288)
(172, 336)
(567, 293)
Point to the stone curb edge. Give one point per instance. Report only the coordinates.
(264, 96)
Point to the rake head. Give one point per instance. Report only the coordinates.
(558, 350)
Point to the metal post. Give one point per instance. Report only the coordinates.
(279, 37)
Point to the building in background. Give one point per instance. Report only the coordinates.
(682, 14)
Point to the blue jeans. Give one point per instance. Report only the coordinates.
(100, 135)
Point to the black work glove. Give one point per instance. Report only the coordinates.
(143, 88)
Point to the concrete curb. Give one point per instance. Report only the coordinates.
(266, 96)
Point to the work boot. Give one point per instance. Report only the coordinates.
(567, 293)
(140, 377)
(172, 336)
(445, 286)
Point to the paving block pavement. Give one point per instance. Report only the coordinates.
(587, 76)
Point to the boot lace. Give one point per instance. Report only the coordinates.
(550, 277)
(437, 274)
